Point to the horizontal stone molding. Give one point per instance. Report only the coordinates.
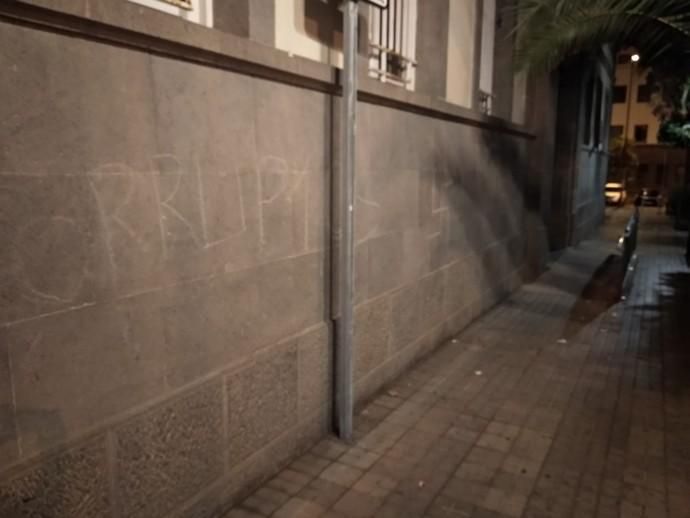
(134, 26)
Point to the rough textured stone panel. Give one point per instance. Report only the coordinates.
(8, 428)
(72, 484)
(262, 401)
(168, 454)
(372, 332)
(315, 371)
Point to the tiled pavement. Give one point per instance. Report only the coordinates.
(561, 402)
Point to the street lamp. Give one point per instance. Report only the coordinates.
(634, 59)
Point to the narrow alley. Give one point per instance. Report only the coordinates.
(561, 402)
(344, 258)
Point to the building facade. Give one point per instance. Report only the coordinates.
(166, 176)
(660, 166)
(582, 143)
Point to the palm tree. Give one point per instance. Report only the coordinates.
(551, 31)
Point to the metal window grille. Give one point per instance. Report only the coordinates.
(392, 42)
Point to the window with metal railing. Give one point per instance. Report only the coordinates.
(392, 41)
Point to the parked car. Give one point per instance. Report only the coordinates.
(615, 194)
(650, 197)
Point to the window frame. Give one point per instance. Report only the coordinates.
(182, 4)
(195, 11)
(396, 24)
(644, 93)
(616, 98)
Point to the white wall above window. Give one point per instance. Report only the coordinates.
(292, 35)
(461, 45)
(486, 71)
(201, 11)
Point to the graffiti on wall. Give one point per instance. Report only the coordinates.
(121, 230)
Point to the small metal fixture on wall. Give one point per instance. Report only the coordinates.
(486, 101)
(184, 4)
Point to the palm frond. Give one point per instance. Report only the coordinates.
(550, 31)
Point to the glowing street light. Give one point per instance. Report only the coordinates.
(634, 59)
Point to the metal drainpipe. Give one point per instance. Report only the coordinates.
(345, 239)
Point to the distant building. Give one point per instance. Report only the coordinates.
(661, 166)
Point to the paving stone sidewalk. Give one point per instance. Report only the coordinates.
(562, 402)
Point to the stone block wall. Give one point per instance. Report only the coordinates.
(165, 337)
(440, 223)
